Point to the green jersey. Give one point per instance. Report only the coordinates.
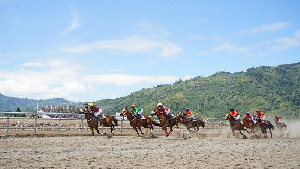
(135, 110)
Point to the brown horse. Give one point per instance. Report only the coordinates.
(248, 123)
(196, 123)
(235, 125)
(137, 123)
(92, 120)
(109, 121)
(164, 121)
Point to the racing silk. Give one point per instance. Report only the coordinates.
(277, 118)
(234, 113)
(94, 109)
(97, 111)
(249, 116)
(166, 110)
(189, 113)
(135, 110)
(261, 115)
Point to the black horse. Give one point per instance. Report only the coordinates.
(266, 125)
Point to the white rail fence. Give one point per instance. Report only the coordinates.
(60, 117)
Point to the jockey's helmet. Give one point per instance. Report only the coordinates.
(159, 104)
(257, 110)
(247, 113)
(231, 109)
(187, 108)
(276, 115)
(133, 106)
(90, 104)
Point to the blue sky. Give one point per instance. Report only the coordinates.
(91, 50)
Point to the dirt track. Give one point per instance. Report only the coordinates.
(206, 149)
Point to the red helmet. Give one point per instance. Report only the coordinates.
(276, 115)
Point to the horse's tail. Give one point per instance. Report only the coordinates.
(155, 123)
(115, 121)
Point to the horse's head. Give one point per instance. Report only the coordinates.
(180, 114)
(154, 111)
(228, 116)
(83, 110)
(124, 111)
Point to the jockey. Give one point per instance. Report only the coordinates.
(235, 114)
(136, 111)
(248, 115)
(261, 116)
(278, 118)
(96, 110)
(206, 119)
(189, 114)
(166, 111)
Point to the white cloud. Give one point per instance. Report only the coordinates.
(134, 44)
(188, 77)
(266, 28)
(232, 48)
(32, 64)
(62, 78)
(74, 24)
(287, 42)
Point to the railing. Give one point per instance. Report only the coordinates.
(213, 123)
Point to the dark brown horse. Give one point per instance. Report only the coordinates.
(195, 123)
(137, 123)
(165, 121)
(235, 125)
(92, 120)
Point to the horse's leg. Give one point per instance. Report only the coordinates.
(136, 130)
(91, 128)
(233, 133)
(111, 129)
(140, 128)
(270, 131)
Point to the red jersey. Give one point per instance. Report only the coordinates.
(234, 113)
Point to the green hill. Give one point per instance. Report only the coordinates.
(27, 105)
(274, 90)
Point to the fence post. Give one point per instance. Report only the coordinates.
(122, 125)
(35, 119)
(59, 127)
(81, 126)
(7, 125)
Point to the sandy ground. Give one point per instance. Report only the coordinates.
(204, 149)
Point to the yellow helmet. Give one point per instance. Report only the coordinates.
(90, 104)
(133, 105)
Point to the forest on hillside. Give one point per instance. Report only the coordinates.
(274, 90)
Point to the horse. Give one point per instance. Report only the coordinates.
(263, 125)
(196, 123)
(137, 123)
(266, 125)
(280, 125)
(164, 121)
(235, 125)
(249, 123)
(92, 120)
